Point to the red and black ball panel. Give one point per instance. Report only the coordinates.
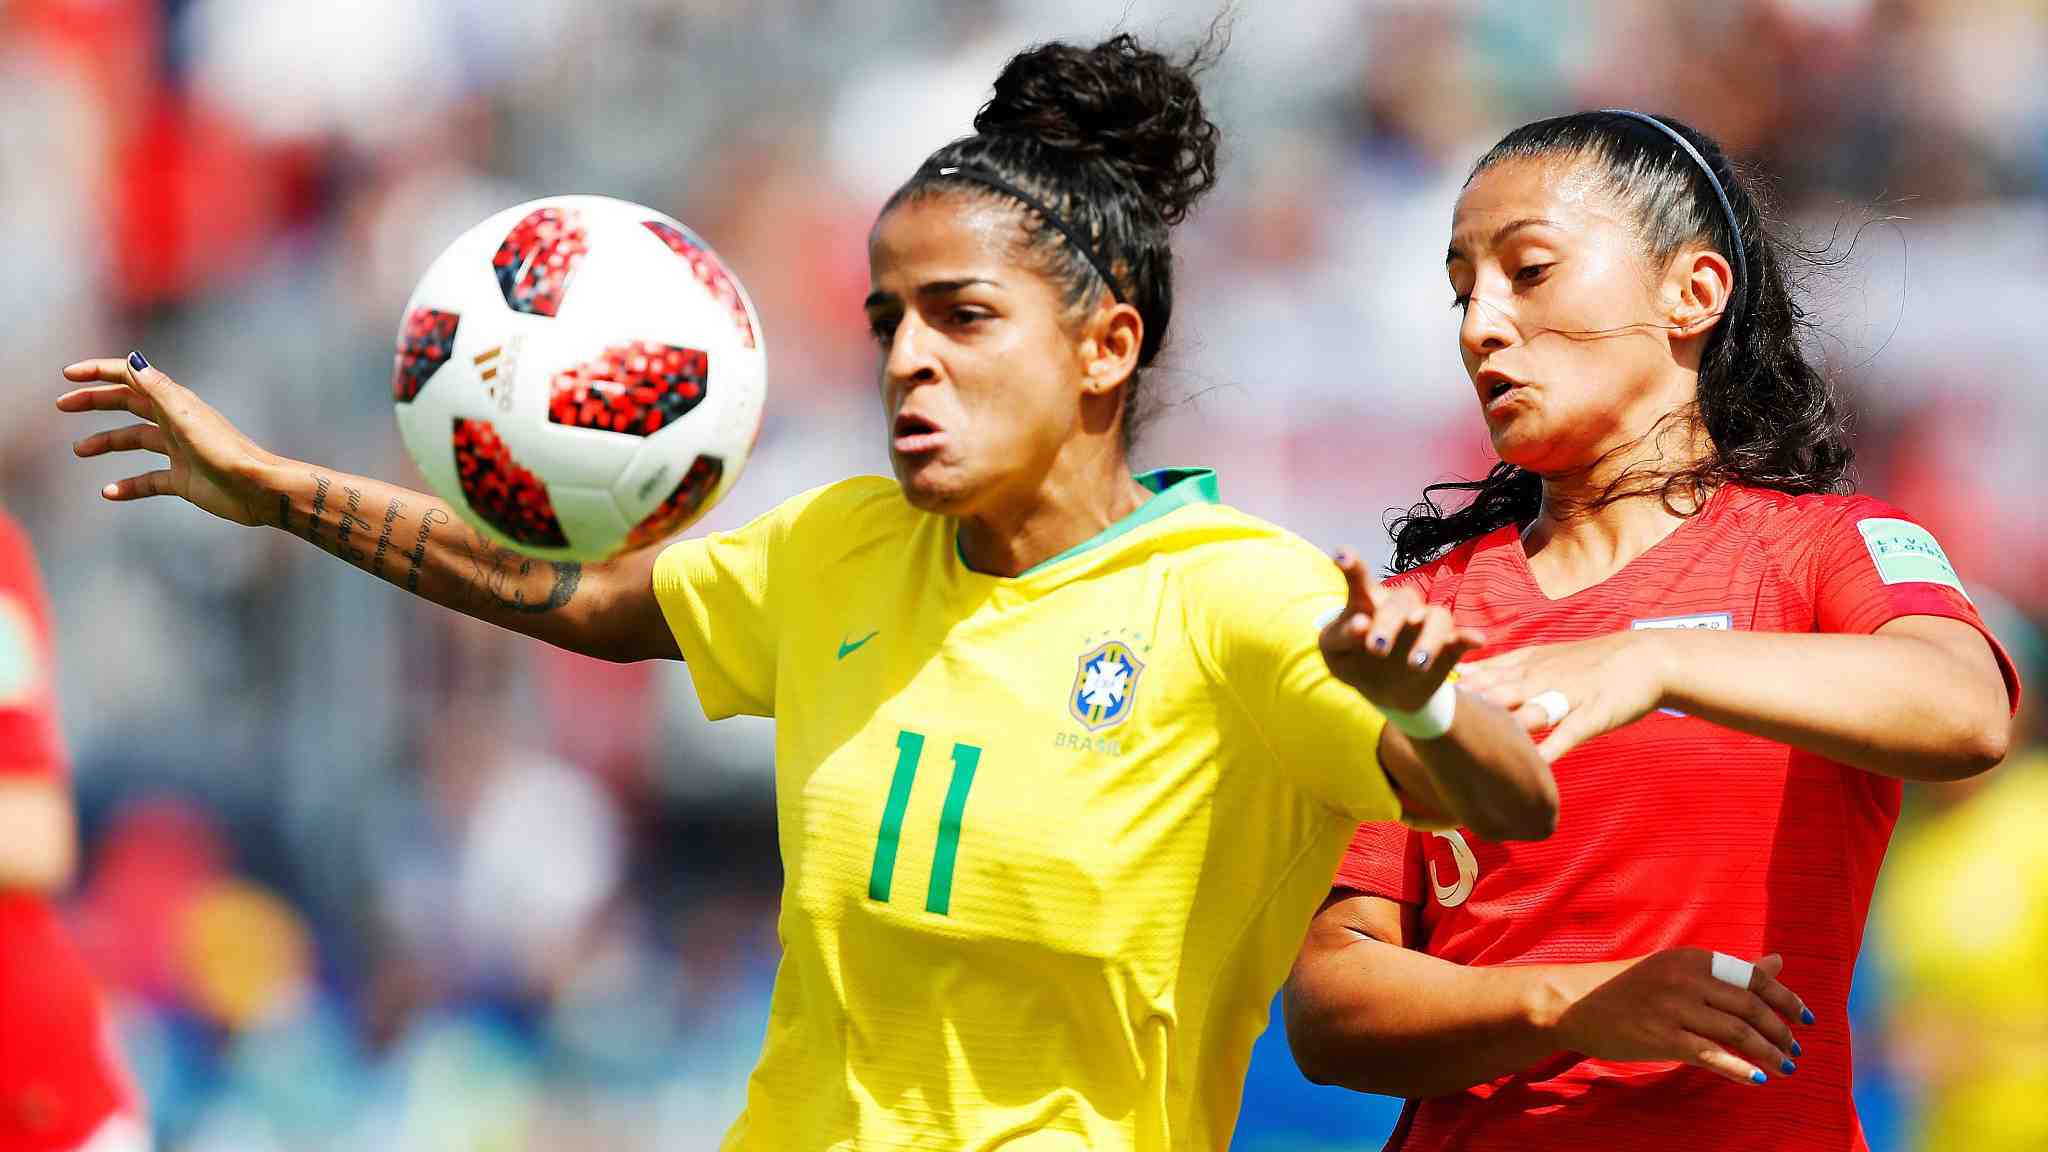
(501, 492)
(537, 259)
(425, 344)
(682, 505)
(637, 388)
(709, 272)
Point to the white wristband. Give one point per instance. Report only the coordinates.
(1432, 719)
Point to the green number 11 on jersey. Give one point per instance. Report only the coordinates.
(909, 750)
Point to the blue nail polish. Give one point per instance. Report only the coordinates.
(1795, 1048)
(136, 362)
(1419, 659)
(1788, 1067)
(1758, 1077)
(1806, 1015)
(1379, 643)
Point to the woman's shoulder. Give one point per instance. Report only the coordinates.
(851, 504)
(1227, 541)
(1784, 514)
(1437, 579)
(1226, 537)
(830, 519)
(879, 494)
(1219, 549)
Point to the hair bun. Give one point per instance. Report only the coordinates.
(1119, 103)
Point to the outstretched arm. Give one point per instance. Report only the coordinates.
(406, 538)
(1921, 699)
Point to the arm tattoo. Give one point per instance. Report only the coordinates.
(319, 502)
(499, 575)
(418, 555)
(568, 574)
(349, 522)
(384, 539)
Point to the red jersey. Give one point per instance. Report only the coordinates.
(1674, 832)
(59, 1078)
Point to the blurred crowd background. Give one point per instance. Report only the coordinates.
(363, 875)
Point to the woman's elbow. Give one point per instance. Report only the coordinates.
(59, 865)
(605, 632)
(1311, 1061)
(1324, 1059)
(1971, 714)
(1982, 746)
(43, 858)
(1310, 1041)
(1970, 735)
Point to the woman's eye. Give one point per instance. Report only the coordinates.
(1461, 302)
(1530, 273)
(966, 316)
(883, 331)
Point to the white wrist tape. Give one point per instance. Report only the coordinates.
(1432, 719)
(1731, 970)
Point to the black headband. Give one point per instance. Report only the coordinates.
(996, 182)
(1720, 193)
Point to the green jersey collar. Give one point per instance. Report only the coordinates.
(1171, 488)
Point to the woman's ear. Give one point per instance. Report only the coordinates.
(1110, 353)
(1703, 283)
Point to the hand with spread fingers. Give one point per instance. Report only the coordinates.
(1389, 644)
(209, 461)
(416, 543)
(1574, 691)
(1678, 1005)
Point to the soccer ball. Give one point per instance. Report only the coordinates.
(579, 376)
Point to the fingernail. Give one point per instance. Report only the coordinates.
(1806, 1015)
(1419, 659)
(1379, 643)
(1795, 1048)
(1788, 1067)
(136, 362)
(1758, 1077)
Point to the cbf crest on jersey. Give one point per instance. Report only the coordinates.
(1105, 686)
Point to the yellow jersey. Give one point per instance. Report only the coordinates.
(1049, 842)
(1962, 927)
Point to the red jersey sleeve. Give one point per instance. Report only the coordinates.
(29, 740)
(1383, 860)
(1875, 564)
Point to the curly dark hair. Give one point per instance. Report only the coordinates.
(1771, 415)
(1114, 140)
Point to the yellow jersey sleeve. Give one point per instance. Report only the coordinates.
(1260, 615)
(722, 596)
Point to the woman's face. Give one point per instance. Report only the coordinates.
(1566, 330)
(982, 375)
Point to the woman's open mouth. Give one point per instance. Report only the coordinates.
(914, 434)
(1495, 390)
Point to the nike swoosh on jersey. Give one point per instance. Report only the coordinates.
(846, 649)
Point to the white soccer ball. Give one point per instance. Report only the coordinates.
(579, 376)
